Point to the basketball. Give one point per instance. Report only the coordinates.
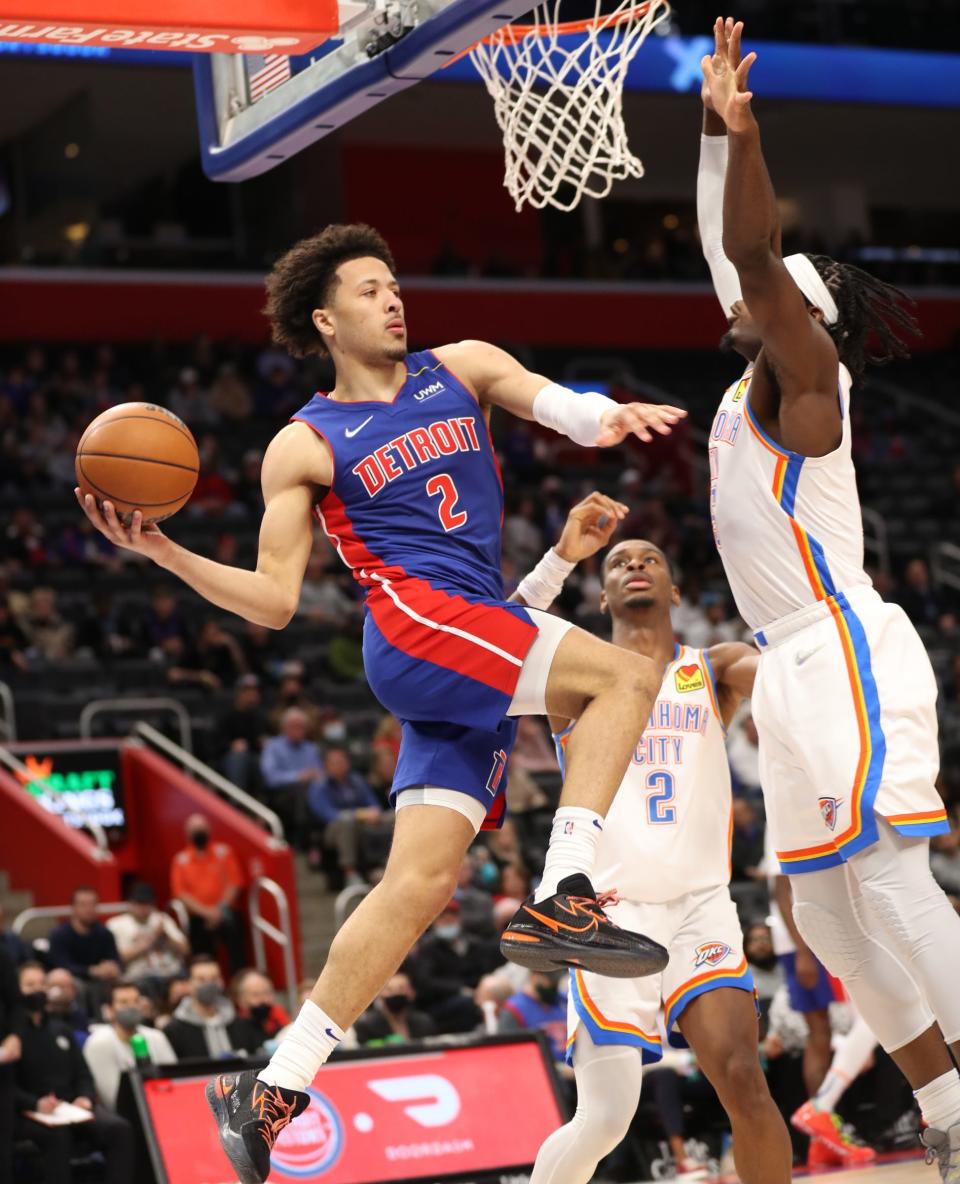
(139, 457)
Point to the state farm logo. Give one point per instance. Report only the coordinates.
(312, 1144)
(90, 33)
(436, 1100)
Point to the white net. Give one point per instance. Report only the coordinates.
(558, 98)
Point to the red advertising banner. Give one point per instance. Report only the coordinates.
(430, 1113)
(205, 26)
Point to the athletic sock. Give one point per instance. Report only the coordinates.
(312, 1038)
(573, 847)
(939, 1101)
(853, 1052)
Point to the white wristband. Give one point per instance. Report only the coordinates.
(572, 414)
(544, 584)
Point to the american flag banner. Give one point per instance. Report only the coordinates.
(264, 72)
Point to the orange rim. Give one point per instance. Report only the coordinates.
(511, 34)
(518, 32)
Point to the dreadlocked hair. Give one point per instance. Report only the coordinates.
(868, 311)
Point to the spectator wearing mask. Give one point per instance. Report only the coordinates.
(447, 966)
(10, 1048)
(108, 1050)
(392, 1018)
(257, 1008)
(347, 809)
(152, 945)
(205, 1022)
(540, 1006)
(64, 1003)
(52, 1070)
(289, 764)
(85, 946)
(206, 876)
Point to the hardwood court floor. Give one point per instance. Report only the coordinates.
(914, 1172)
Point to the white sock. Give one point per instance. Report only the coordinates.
(939, 1101)
(853, 1052)
(573, 847)
(312, 1038)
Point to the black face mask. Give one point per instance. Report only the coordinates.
(35, 1001)
(396, 1004)
(547, 992)
(259, 1012)
(200, 839)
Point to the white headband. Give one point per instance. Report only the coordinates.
(808, 280)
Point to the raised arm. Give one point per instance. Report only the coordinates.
(711, 175)
(590, 419)
(735, 668)
(295, 464)
(796, 347)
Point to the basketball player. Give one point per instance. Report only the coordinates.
(845, 695)
(398, 464)
(665, 850)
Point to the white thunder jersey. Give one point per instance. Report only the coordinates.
(788, 527)
(667, 833)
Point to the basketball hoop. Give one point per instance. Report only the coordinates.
(559, 104)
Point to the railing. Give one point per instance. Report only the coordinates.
(875, 542)
(113, 908)
(177, 709)
(282, 933)
(212, 778)
(22, 773)
(8, 715)
(945, 565)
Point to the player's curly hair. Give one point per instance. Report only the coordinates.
(868, 310)
(304, 278)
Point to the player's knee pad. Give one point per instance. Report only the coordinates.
(836, 943)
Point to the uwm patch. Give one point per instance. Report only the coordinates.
(829, 808)
(711, 953)
(688, 678)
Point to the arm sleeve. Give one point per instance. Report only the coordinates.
(710, 180)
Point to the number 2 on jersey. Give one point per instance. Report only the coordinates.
(660, 801)
(450, 516)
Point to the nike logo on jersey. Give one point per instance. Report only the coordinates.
(351, 432)
(803, 655)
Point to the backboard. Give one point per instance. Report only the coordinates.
(256, 111)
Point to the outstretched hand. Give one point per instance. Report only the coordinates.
(637, 419)
(725, 76)
(589, 527)
(143, 538)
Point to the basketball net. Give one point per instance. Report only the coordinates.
(557, 90)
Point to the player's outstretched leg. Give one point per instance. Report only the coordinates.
(721, 1028)
(252, 1108)
(608, 1091)
(609, 692)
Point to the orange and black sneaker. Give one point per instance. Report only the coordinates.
(250, 1114)
(570, 928)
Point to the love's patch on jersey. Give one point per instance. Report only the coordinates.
(688, 678)
(711, 953)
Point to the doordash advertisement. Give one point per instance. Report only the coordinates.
(428, 1113)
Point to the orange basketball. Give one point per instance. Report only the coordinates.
(139, 457)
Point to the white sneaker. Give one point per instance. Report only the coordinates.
(944, 1148)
